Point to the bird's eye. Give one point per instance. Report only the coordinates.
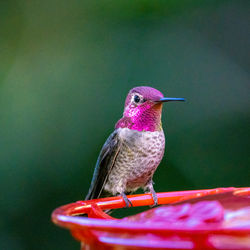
(137, 99)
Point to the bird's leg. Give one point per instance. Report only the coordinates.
(127, 201)
(150, 189)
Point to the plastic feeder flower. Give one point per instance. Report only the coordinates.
(201, 219)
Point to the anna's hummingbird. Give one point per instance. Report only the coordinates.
(134, 150)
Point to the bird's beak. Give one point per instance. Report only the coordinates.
(171, 99)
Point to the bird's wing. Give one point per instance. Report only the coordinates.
(104, 165)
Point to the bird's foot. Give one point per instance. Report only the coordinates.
(127, 201)
(150, 190)
(155, 198)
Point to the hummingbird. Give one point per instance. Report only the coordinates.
(132, 153)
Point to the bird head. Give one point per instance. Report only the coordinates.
(143, 107)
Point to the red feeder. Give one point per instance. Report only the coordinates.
(201, 219)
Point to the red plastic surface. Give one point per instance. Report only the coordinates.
(204, 210)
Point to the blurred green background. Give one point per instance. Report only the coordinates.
(65, 70)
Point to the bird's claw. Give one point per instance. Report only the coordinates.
(151, 191)
(127, 201)
(155, 199)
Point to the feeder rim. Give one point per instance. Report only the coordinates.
(64, 216)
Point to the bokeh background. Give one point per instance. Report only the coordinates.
(65, 70)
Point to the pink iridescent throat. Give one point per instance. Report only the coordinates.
(145, 117)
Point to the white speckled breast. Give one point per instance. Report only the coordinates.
(139, 156)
